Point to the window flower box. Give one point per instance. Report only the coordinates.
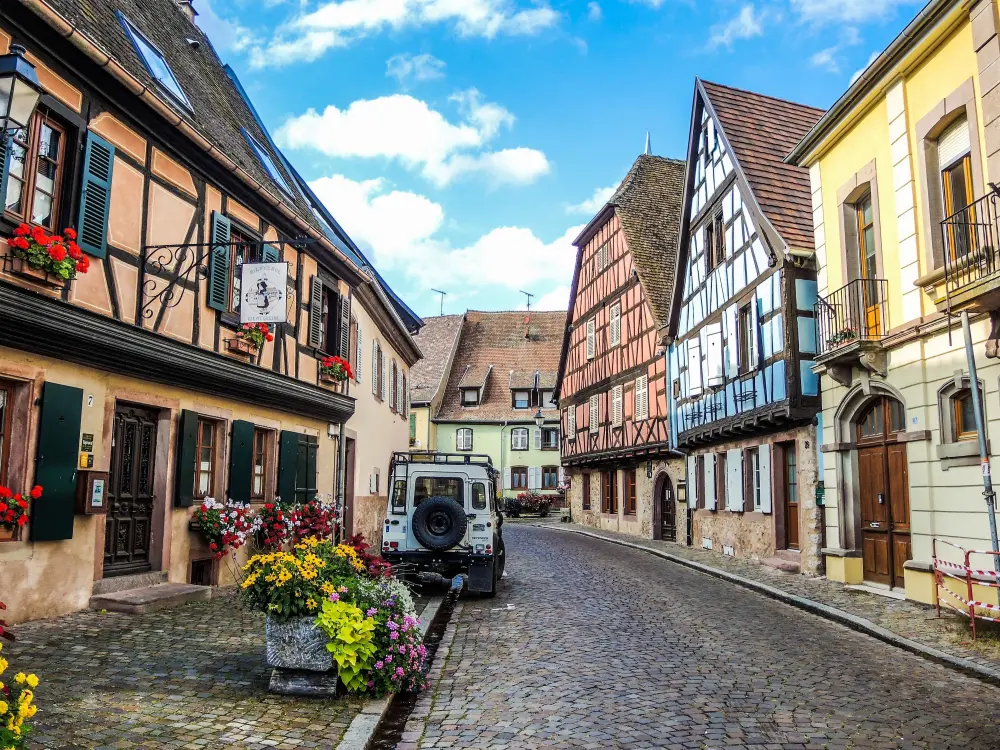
(334, 370)
(241, 346)
(53, 260)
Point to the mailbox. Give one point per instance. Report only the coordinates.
(91, 492)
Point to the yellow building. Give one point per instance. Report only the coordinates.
(905, 223)
(438, 341)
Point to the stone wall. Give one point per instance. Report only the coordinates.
(369, 512)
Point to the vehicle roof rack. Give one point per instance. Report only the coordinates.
(433, 457)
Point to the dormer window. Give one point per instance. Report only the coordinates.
(548, 400)
(522, 399)
(155, 62)
(265, 158)
(470, 397)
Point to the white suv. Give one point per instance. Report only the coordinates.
(443, 519)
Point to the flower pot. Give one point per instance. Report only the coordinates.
(295, 644)
(241, 346)
(329, 379)
(21, 267)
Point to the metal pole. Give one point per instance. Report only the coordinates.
(981, 433)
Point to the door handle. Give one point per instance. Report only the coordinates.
(874, 525)
(881, 499)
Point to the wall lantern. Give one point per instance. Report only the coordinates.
(19, 90)
(682, 492)
(649, 470)
(539, 419)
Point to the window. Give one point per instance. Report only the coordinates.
(519, 439)
(752, 468)
(258, 484)
(399, 496)
(37, 162)
(585, 490)
(591, 338)
(609, 492)
(463, 439)
(709, 236)
(470, 397)
(630, 500)
(425, 487)
(242, 249)
(719, 247)
(204, 457)
(550, 477)
(550, 438)
(268, 162)
(641, 394)
(746, 339)
(413, 429)
(616, 324)
(594, 414)
(155, 62)
(519, 477)
(331, 318)
(965, 416)
(571, 422)
(721, 481)
(616, 405)
(393, 388)
(522, 399)
(866, 237)
(378, 379)
(602, 257)
(548, 400)
(6, 406)
(478, 496)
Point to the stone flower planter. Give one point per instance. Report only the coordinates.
(296, 644)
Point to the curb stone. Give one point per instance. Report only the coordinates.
(363, 727)
(860, 624)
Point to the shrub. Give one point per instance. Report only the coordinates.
(17, 705)
(315, 519)
(351, 644)
(276, 526)
(374, 564)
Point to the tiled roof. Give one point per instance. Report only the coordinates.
(648, 205)
(217, 109)
(474, 376)
(437, 341)
(503, 341)
(763, 130)
(521, 379)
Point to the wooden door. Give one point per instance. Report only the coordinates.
(129, 522)
(791, 492)
(875, 526)
(349, 489)
(668, 512)
(899, 509)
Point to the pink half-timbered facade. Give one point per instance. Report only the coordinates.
(612, 377)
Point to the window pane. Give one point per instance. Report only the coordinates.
(13, 199)
(48, 142)
(19, 153)
(399, 495)
(967, 414)
(479, 496)
(958, 194)
(425, 487)
(897, 418)
(41, 210)
(866, 210)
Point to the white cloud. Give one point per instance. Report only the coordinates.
(846, 11)
(225, 35)
(405, 128)
(826, 59)
(557, 299)
(594, 12)
(859, 71)
(406, 68)
(594, 203)
(746, 24)
(402, 229)
(308, 36)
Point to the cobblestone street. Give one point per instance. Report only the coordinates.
(591, 645)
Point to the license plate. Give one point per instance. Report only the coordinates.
(479, 527)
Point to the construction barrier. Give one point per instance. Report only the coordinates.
(965, 573)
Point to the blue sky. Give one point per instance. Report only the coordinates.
(463, 143)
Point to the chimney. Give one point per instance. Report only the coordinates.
(187, 8)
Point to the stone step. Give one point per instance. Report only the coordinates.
(124, 583)
(150, 598)
(787, 566)
(792, 555)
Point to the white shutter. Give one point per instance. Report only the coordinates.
(571, 422)
(535, 474)
(734, 478)
(384, 374)
(616, 324)
(506, 478)
(953, 142)
(692, 482)
(733, 341)
(375, 361)
(616, 406)
(591, 338)
(764, 459)
(710, 484)
(694, 367)
(562, 476)
(594, 414)
(538, 438)
(715, 374)
(642, 397)
(357, 355)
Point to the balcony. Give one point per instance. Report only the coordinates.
(971, 258)
(851, 323)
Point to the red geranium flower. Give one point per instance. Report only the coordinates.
(36, 491)
(22, 520)
(5, 493)
(57, 253)
(70, 233)
(74, 251)
(23, 231)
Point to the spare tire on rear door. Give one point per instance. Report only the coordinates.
(439, 523)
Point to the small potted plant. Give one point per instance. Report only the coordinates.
(47, 258)
(14, 508)
(250, 338)
(334, 370)
(843, 336)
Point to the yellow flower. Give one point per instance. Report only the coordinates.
(310, 603)
(32, 681)
(327, 588)
(20, 677)
(3, 707)
(3, 665)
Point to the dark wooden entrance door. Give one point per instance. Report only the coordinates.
(668, 512)
(884, 487)
(130, 492)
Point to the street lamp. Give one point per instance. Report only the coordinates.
(539, 419)
(19, 90)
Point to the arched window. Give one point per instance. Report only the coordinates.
(884, 417)
(964, 416)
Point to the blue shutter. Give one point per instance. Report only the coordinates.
(95, 199)
(218, 264)
(270, 254)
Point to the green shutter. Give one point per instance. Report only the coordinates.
(308, 481)
(187, 444)
(241, 461)
(345, 327)
(95, 200)
(55, 471)
(288, 449)
(316, 313)
(218, 263)
(270, 254)
(4, 168)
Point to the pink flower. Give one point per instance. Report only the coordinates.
(334, 597)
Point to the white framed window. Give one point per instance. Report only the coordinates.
(463, 439)
(519, 439)
(155, 61)
(642, 397)
(548, 400)
(591, 338)
(571, 422)
(616, 405)
(521, 399)
(616, 324)
(594, 413)
(753, 467)
(470, 397)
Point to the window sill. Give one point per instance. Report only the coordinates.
(961, 453)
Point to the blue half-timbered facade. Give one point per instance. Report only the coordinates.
(744, 396)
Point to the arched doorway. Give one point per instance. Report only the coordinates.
(664, 510)
(884, 491)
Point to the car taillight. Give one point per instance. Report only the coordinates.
(385, 545)
(394, 545)
(489, 547)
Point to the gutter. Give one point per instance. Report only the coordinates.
(930, 14)
(69, 32)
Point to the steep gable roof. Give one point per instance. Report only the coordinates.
(437, 340)
(762, 130)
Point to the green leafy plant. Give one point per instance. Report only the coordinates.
(351, 642)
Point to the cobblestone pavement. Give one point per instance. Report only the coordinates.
(592, 645)
(918, 622)
(189, 677)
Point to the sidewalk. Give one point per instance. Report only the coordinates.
(903, 621)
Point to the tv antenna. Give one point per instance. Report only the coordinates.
(529, 295)
(443, 295)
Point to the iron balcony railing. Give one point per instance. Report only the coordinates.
(856, 312)
(969, 238)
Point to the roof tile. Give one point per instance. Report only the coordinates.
(436, 341)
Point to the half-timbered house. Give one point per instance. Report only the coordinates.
(743, 333)
(612, 381)
(125, 392)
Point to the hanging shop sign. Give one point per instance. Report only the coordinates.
(263, 289)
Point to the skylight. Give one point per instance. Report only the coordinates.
(155, 62)
(267, 161)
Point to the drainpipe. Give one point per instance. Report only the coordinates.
(502, 488)
(341, 474)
